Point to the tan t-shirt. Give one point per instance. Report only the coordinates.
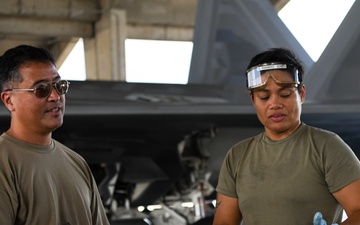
(288, 181)
(49, 185)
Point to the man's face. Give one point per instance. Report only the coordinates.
(278, 106)
(32, 114)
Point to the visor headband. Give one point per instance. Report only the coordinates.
(255, 79)
(271, 67)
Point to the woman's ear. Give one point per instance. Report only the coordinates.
(302, 92)
(251, 95)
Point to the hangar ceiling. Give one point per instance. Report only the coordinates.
(58, 24)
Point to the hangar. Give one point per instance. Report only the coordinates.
(156, 144)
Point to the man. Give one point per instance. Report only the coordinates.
(292, 173)
(42, 182)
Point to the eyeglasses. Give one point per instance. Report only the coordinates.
(256, 76)
(44, 90)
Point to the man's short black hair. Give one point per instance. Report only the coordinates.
(13, 58)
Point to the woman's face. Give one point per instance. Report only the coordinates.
(278, 106)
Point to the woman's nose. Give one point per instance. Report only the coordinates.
(275, 102)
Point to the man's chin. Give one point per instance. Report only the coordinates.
(55, 126)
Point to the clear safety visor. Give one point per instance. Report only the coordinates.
(257, 76)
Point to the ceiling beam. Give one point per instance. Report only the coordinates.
(45, 27)
(88, 10)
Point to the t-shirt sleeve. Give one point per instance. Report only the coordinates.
(227, 182)
(341, 165)
(97, 208)
(7, 208)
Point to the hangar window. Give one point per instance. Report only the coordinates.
(151, 61)
(147, 61)
(73, 68)
(313, 23)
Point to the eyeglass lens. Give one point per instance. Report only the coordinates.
(44, 90)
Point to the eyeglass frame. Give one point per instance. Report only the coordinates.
(51, 84)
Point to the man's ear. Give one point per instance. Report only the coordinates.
(6, 99)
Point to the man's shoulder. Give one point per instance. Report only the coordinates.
(68, 151)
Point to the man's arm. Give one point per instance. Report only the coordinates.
(349, 198)
(227, 211)
(7, 209)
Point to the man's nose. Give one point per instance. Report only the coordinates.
(53, 93)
